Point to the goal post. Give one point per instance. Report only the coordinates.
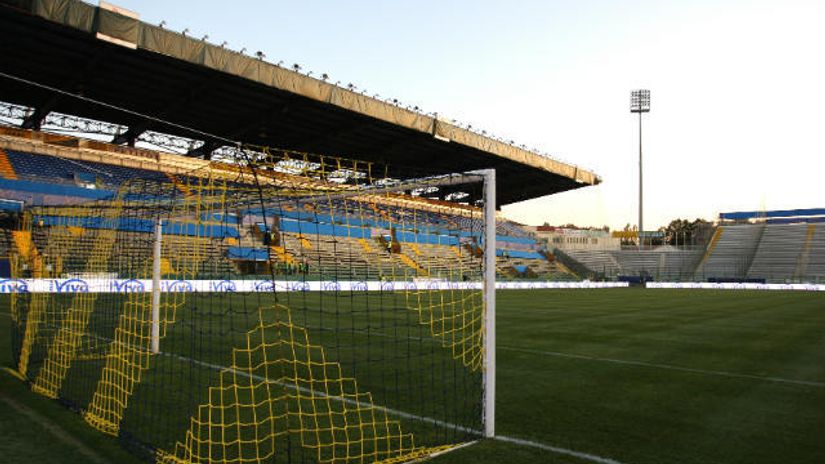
(156, 275)
(313, 312)
(489, 302)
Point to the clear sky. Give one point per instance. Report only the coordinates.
(738, 87)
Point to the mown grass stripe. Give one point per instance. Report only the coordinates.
(663, 366)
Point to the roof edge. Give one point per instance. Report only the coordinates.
(129, 31)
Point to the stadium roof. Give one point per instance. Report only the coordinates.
(781, 213)
(111, 56)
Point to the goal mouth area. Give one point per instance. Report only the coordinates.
(210, 322)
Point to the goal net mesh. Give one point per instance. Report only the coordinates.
(304, 310)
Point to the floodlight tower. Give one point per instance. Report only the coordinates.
(640, 103)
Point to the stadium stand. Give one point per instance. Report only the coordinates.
(778, 253)
(730, 252)
(678, 265)
(663, 263)
(6, 243)
(34, 166)
(74, 171)
(512, 229)
(773, 252)
(773, 246)
(767, 251)
(635, 263)
(815, 266)
(598, 261)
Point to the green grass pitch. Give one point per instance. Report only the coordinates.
(628, 375)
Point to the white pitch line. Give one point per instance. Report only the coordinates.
(503, 438)
(517, 441)
(555, 449)
(54, 429)
(808, 383)
(342, 399)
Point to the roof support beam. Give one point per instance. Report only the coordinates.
(129, 137)
(260, 119)
(343, 131)
(399, 144)
(204, 151)
(241, 130)
(35, 120)
(135, 130)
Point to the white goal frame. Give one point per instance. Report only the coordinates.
(488, 178)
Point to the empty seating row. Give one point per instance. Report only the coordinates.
(52, 168)
(815, 259)
(732, 252)
(660, 264)
(599, 261)
(778, 254)
(773, 252)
